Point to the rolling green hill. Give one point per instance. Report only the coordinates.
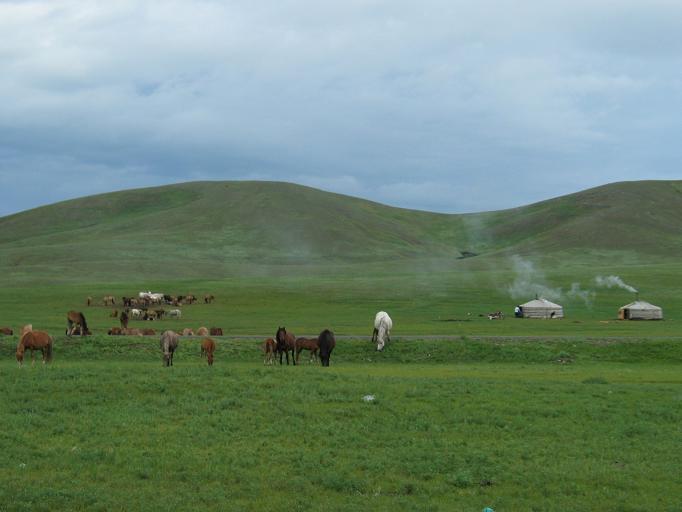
(209, 229)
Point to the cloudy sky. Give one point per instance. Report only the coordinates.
(449, 105)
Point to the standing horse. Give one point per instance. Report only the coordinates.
(327, 343)
(311, 344)
(207, 349)
(76, 319)
(286, 342)
(34, 340)
(382, 329)
(169, 342)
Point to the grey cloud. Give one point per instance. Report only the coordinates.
(438, 105)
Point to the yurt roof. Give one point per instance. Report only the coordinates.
(640, 304)
(540, 303)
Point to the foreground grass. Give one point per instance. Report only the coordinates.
(561, 425)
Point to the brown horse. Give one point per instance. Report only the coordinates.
(269, 347)
(216, 331)
(6, 330)
(311, 344)
(34, 340)
(208, 298)
(286, 342)
(207, 349)
(202, 331)
(76, 319)
(123, 319)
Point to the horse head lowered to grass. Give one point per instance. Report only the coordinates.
(34, 340)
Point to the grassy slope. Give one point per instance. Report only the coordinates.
(210, 229)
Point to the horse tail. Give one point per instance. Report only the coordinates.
(48, 355)
(84, 325)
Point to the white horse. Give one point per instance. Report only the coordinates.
(382, 329)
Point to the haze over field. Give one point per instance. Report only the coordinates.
(444, 106)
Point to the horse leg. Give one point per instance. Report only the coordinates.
(375, 332)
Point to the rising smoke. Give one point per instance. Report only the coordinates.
(529, 282)
(587, 296)
(613, 281)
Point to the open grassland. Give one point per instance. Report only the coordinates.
(421, 302)
(565, 424)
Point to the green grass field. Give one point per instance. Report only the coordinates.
(582, 413)
(454, 425)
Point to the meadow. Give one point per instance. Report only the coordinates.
(582, 413)
(552, 425)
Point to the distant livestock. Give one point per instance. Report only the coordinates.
(327, 344)
(208, 298)
(108, 300)
(123, 319)
(169, 342)
(76, 321)
(202, 331)
(382, 329)
(34, 340)
(175, 313)
(216, 331)
(187, 332)
(207, 349)
(135, 313)
(148, 332)
(114, 331)
(6, 330)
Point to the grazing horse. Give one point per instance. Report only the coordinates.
(327, 344)
(114, 331)
(216, 331)
(34, 340)
(6, 330)
(76, 319)
(207, 349)
(269, 347)
(286, 342)
(382, 329)
(202, 331)
(311, 344)
(169, 342)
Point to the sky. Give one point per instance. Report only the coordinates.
(450, 106)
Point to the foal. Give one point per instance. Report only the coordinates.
(207, 349)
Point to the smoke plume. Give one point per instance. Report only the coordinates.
(529, 282)
(611, 281)
(587, 296)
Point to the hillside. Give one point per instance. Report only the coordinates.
(205, 229)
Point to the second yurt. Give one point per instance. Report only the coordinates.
(640, 310)
(541, 308)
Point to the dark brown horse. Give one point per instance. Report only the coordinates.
(207, 349)
(216, 331)
(285, 343)
(6, 330)
(76, 319)
(34, 340)
(269, 347)
(327, 344)
(311, 344)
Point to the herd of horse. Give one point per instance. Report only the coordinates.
(281, 345)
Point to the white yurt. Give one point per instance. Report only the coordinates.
(640, 310)
(541, 308)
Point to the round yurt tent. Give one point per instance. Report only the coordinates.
(541, 308)
(640, 310)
